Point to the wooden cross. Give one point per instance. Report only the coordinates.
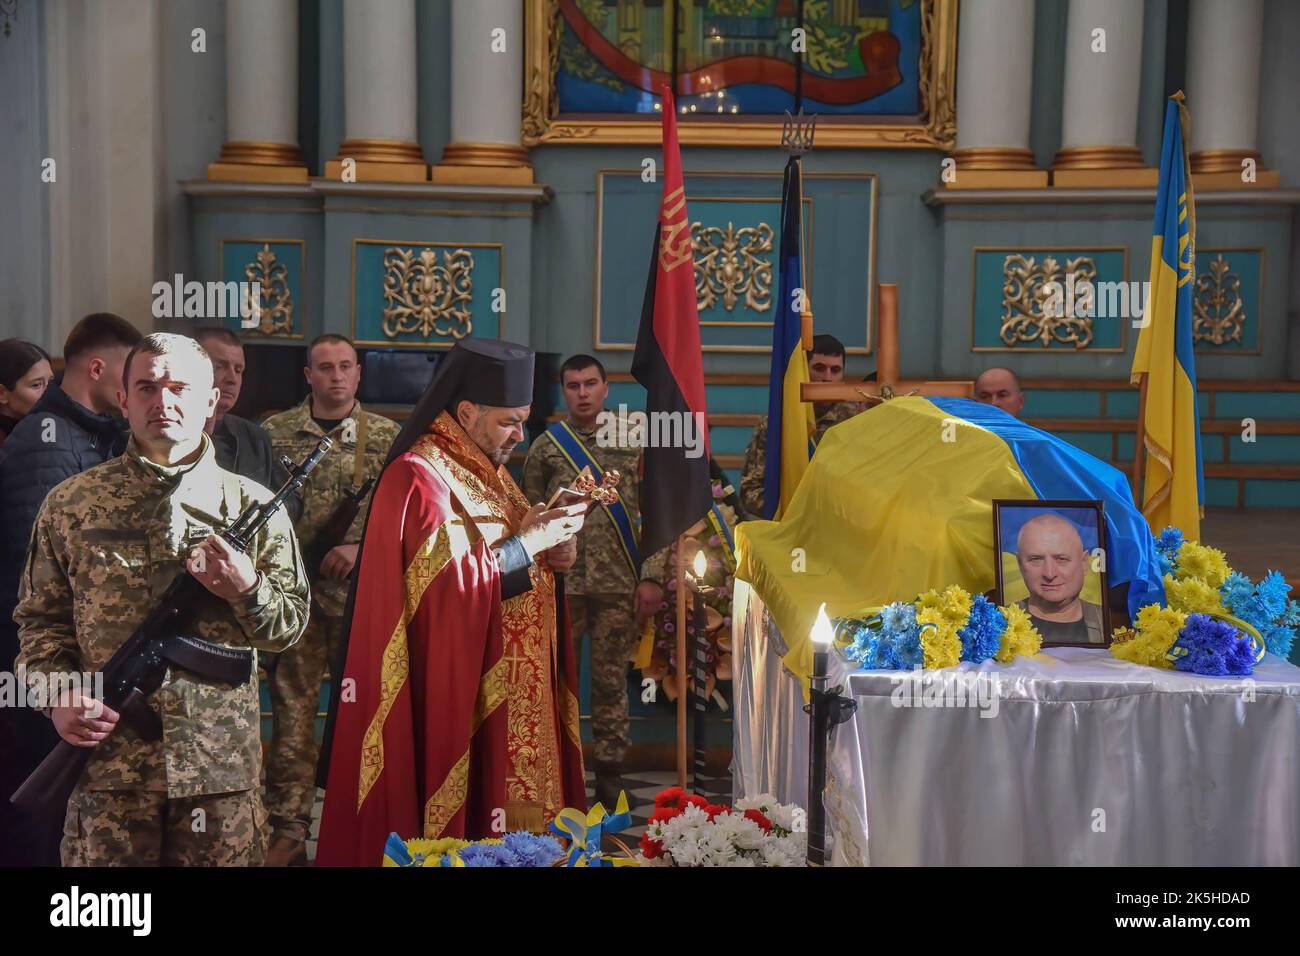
(887, 384)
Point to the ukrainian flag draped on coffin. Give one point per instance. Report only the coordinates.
(790, 424)
(898, 500)
(1173, 491)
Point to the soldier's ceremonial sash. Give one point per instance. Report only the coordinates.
(576, 454)
(724, 535)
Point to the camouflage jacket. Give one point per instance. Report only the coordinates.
(107, 543)
(755, 472)
(295, 433)
(602, 566)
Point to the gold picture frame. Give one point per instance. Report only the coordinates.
(935, 127)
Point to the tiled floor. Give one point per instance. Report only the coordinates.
(642, 787)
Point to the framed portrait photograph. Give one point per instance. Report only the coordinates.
(1051, 562)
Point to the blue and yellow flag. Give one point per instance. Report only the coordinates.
(898, 500)
(1173, 489)
(790, 424)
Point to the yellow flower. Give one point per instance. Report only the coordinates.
(431, 850)
(947, 612)
(1020, 637)
(1192, 596)
(940, 643)
(954, 604)
(1157, 629)
(1201, 561)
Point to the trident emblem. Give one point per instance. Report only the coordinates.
(797, 132)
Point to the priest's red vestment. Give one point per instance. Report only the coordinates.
(457, 715)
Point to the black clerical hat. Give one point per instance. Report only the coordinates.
(485, 371)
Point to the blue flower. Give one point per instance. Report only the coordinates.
(486, 854)
(1214, 648)
(898, 616)
(1236, 591)
(1292, 616)
(1168, 544)
(1272, 592)
(900, 638)
(529, 849)
(1279, 640)
(982, 635)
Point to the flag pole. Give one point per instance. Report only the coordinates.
(680, 574)
(1140, 440)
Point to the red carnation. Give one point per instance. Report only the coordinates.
(695, 800)
(672, 797)
(713, 809)
(650, 848)
(664, 814)
(763, 822)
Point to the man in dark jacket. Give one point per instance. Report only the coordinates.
(71, 429)
(241, 446)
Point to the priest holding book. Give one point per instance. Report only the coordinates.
(456, 714)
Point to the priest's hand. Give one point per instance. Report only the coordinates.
(648, 596)
(338, 563)
(562, 557)
(541, 529)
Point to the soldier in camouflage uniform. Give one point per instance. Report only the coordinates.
(825, 364)
(106, 544)
(599, 587)
(361, 443)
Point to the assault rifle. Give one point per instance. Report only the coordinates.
(336, 527)
(139, 666)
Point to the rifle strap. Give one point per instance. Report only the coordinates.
(359, 456)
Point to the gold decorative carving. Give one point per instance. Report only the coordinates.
(733, 262)
(933, 127)
(545, 28)
(1218, 314)
(1023, 289)
(274, 309)
(428, 296)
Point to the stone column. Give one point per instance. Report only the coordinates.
(487, 70)
(379, 94)
(1103, 72)
(995, 67)
(261, 94)
(1224, 43)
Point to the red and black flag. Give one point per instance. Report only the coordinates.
(676, 486)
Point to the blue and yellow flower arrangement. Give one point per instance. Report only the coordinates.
(938, 629)
(1217, 622)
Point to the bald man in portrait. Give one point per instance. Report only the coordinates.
(1054, 563)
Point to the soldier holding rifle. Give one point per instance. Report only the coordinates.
(335, 500)
(106, 544)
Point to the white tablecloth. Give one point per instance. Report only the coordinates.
(1087, 760)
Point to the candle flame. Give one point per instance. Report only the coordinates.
(701, 565)
(822, 632)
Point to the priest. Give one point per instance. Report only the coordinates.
(456, 714)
